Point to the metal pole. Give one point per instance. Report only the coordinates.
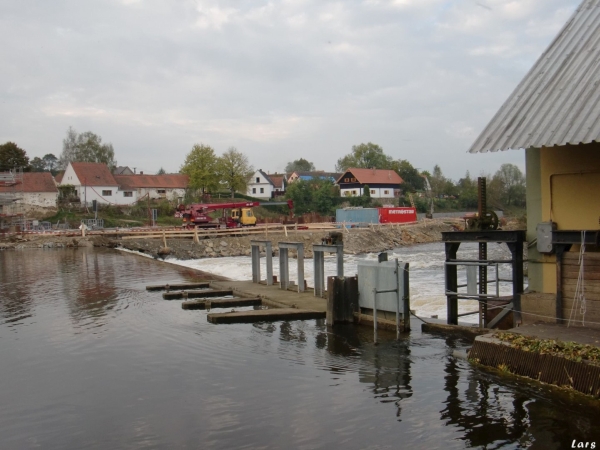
(397, 300)
(284, 272)
(301, 268)
(269, 255)
(375, 316)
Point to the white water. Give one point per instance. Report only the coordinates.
(426, 273)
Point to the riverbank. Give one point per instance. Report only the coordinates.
(356, 240)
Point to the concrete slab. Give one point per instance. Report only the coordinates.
(176, 286)
(221, 303)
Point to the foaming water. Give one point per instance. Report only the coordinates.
(91, 360)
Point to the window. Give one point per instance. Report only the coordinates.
(128, 194)
(346, 180)
(353, 179)
(353, 192)
(372, 191)
(386, 192)
(262, 190)
(258, 179)
(254, 190)
(161, 191)
(107, 193)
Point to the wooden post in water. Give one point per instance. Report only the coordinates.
(342, 299)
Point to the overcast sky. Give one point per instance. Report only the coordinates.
(277, 80)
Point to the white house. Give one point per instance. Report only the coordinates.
(382, 183)
(169, 186)
(266, 186)
(93, 181)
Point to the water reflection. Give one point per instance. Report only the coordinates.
(159, 376)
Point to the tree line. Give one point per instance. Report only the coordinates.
(231, 171)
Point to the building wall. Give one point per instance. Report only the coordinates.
(44, 199)
(155, 193)
(563, 185)
(88, 194)
(258, 182)
(376, 192)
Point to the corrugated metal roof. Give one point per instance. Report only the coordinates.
(557, 103)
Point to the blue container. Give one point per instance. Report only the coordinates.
(357, 215)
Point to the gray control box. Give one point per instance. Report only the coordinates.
(544, 236)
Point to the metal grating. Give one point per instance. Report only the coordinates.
(558, 101)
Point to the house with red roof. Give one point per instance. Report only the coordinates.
(93, 181)
(36, 189)
(262, 185)
(383, 183)
(168, 186)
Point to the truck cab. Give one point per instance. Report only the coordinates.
(244, 216)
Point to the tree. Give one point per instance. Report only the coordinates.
(12, 156)
(299, 165)
(365, 156)
(234, 170)
(510, 183)
(316, 195)
(86, 147)
(413, 181)
(201, 166)
(50, 162)
(37, 164)
(161, 171)
(467, 192)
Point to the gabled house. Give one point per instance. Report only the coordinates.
(36, 189)
(168, 186)
(307, 176)
(93, 181)
(123, 170)
(266, 186)
(554, 115)
(383, 183)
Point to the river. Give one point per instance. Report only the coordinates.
(91, 360)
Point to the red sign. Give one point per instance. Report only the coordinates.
(397, 215)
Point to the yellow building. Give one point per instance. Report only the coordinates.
(554, 114)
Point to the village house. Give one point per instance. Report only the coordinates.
(35, 189)
(554, 115)
(383, 183)
(266, 186)
(93, 181)
(168, 186)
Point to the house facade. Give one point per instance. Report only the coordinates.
(262, 185)
(562, 156)
(93, 181)
(37, 189)
(169, 186)
(382, 183)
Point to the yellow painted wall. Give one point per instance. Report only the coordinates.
(570, 194)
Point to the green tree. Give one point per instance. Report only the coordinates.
(86, 147)
(201, 166)
(413, 180)
(234, 170)
(366, 191)
(299, 165)
(37, 164)
(510, 182)
(50, 163)
(12, 156)
(366, 156)
(467, 192)
(315, 195)
(161, 171)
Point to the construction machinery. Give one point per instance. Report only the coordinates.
(197, 215)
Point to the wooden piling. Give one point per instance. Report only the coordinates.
(206, 293)
(167, 287)
(342, 299)
(221, 303)
(265, 315)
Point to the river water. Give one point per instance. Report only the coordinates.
(90, 360)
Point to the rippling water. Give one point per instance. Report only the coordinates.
(90, 360)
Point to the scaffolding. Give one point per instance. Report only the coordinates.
(12, 217)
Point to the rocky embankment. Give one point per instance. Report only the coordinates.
(356, 241)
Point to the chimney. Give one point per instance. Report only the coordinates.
(141, 173)
(374, 170)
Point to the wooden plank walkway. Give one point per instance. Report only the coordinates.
(205, 293)
(266, 315)
(221, 303)
(177, 286)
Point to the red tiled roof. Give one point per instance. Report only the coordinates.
(170, 181)
(373, 176)
(277, 180)
(93, 174)
(59, 176)
(34, 182)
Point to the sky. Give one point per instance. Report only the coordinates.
(277, 80)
